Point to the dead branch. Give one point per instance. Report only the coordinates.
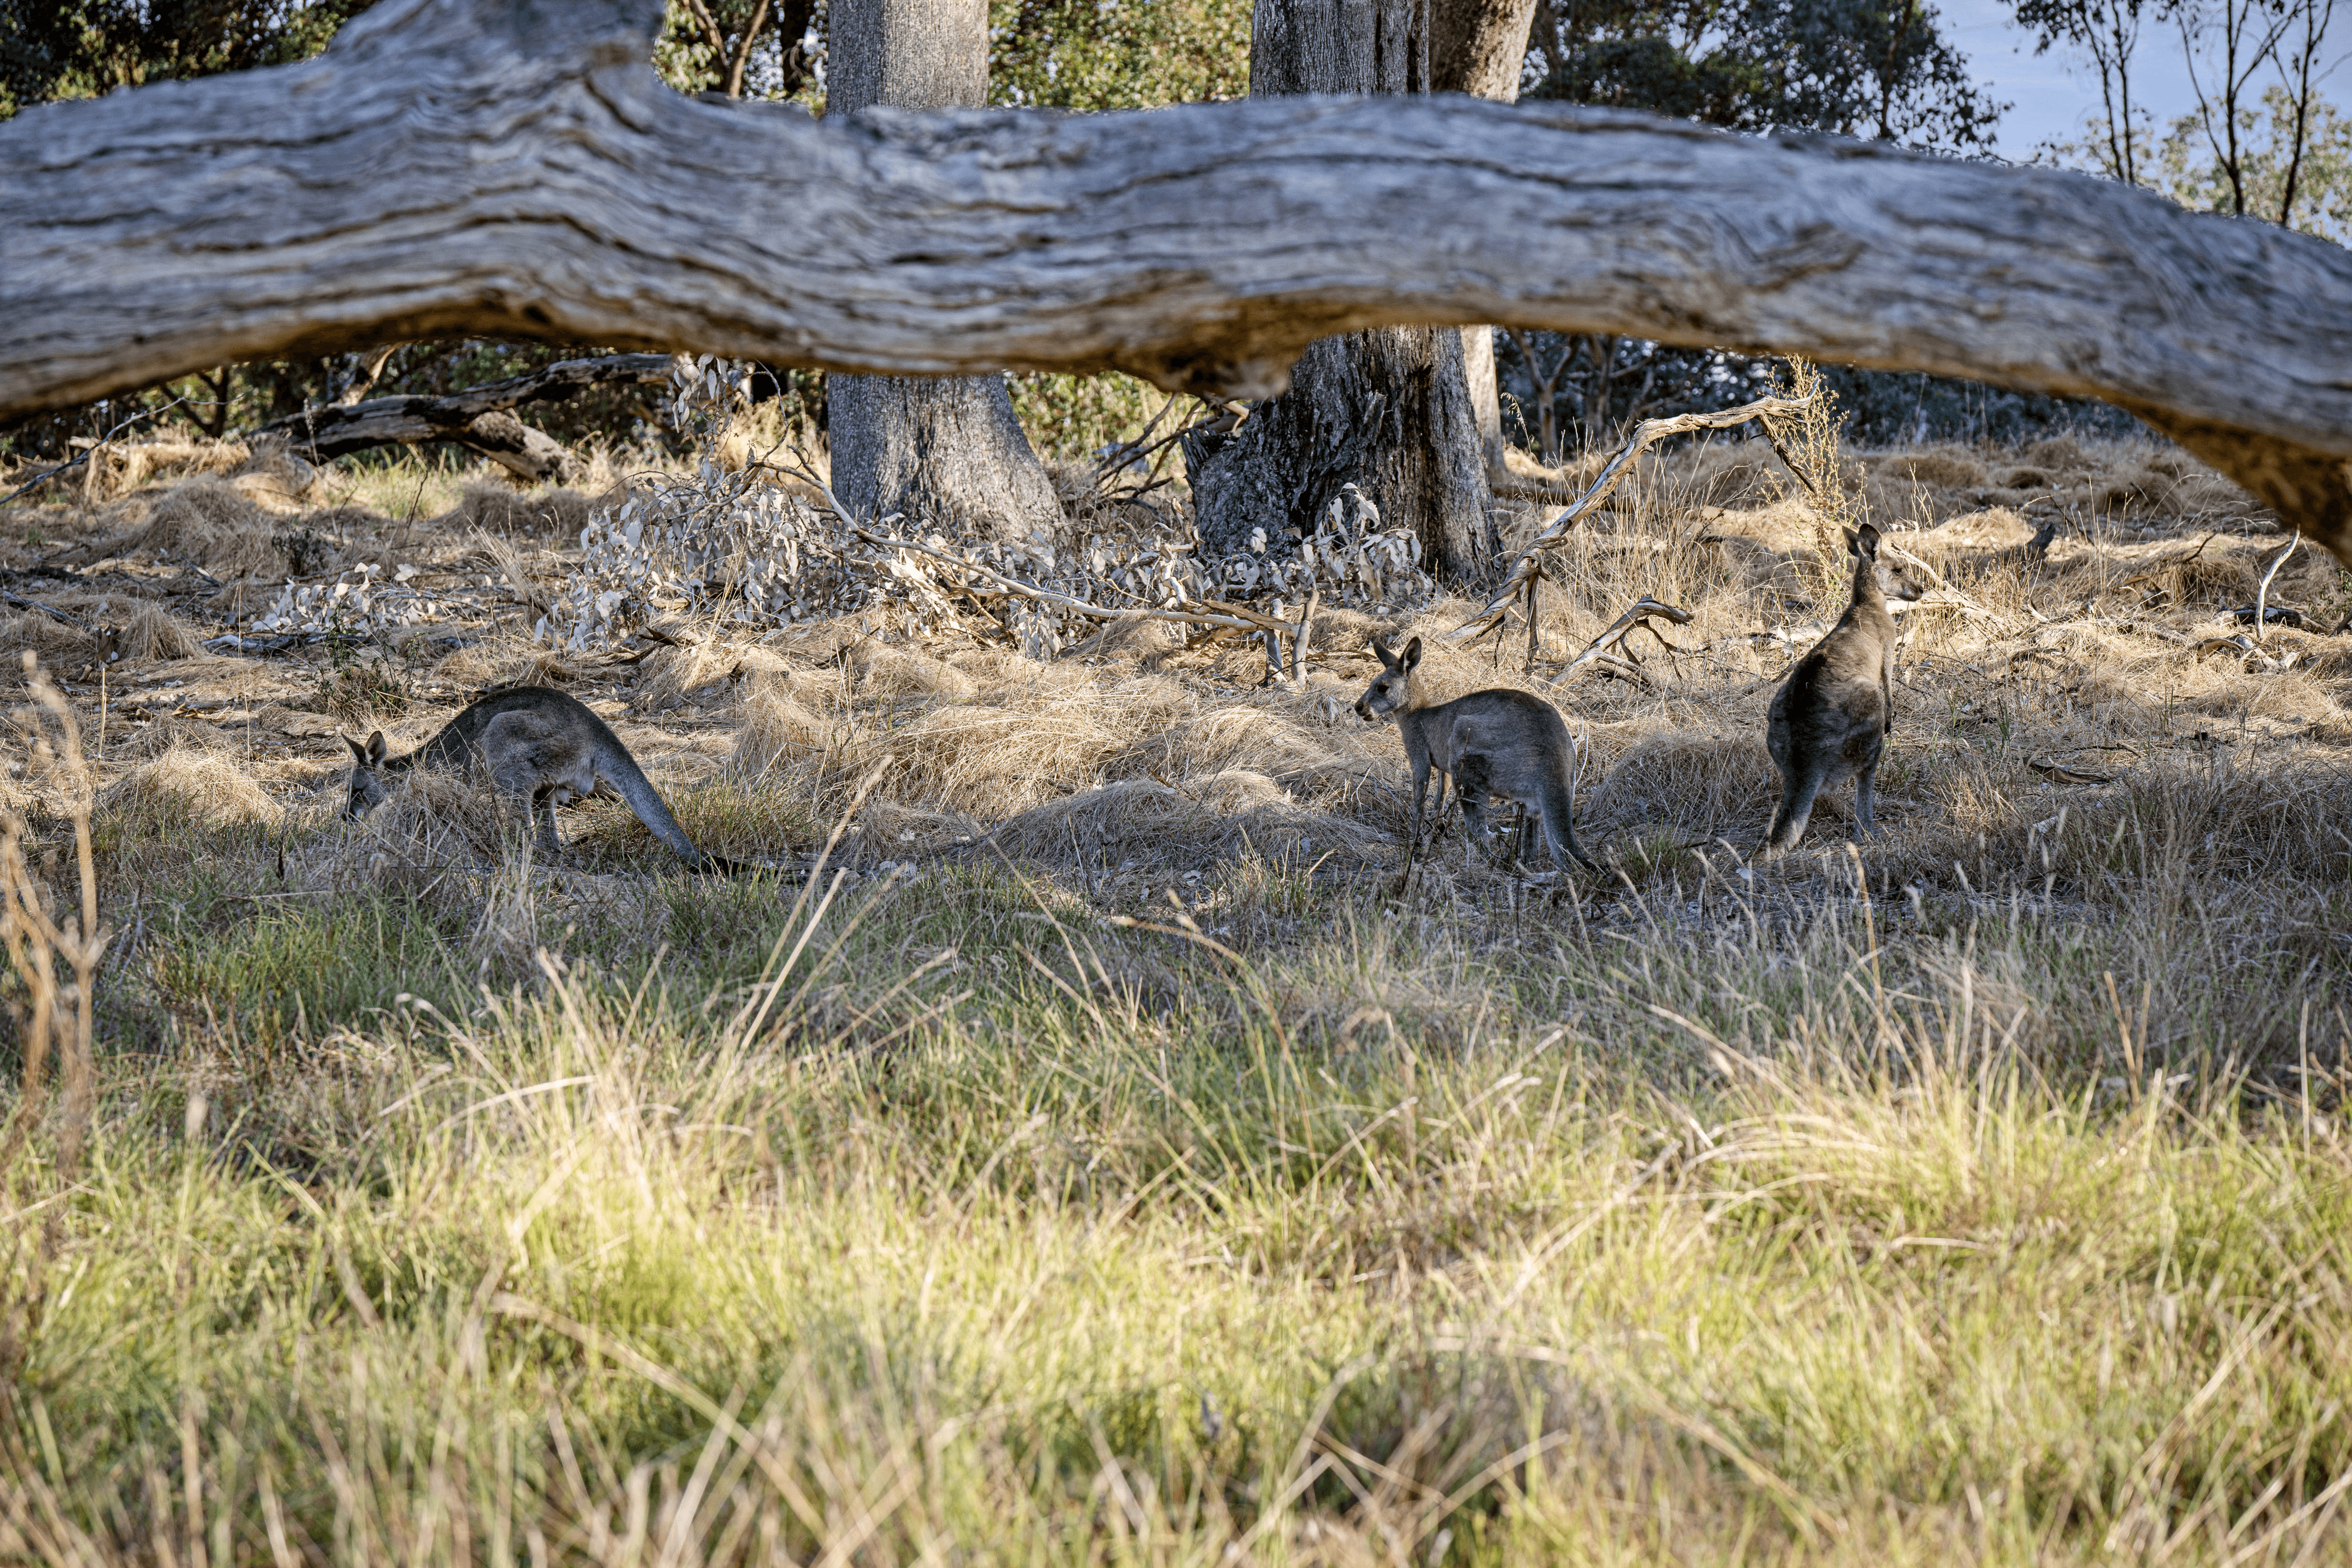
(50, 610)
(2262, 594)
(476, 418)
(1609, 651)
(1525, 571)
(444, 168)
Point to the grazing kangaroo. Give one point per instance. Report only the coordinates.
(1832, 716)
(540, 745)
(1498, 741)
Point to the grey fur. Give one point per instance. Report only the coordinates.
(537, 744)
(1498, 741)
(1832, 716)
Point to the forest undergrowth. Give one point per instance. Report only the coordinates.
(1080, 1147)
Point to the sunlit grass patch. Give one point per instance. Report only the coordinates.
(274, 964)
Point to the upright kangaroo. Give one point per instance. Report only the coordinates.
(1832, 716)
(1497, 741)
(540, 745)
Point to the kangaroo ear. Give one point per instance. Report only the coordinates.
(375, 749)
(1865, 542)
(359, 752)
(1387, 658)
(1411, 654)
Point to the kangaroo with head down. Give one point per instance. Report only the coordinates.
(541, 745)
(1495, 742)
(1832, 716)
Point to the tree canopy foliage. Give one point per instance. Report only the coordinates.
(80, 48)
(1875, 68)
(1117, 53)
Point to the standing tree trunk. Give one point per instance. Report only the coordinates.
(945, 452)
(1396, 411)
(1480, 48)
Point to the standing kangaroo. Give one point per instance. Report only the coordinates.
(1832, 716)
(1497, 741)
(537, 744)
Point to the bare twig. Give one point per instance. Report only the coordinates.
(2262, 594)
(49, 609)
(1555, 533)
(46, 474)
(1127, 452)
(1607, 652)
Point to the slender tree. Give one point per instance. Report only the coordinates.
(2299, 68)
(948, 451)
(2239, 37)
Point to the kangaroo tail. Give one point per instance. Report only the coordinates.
(1560, 812)
(621, 771)
(1798, 790)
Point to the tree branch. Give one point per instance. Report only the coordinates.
(477, 417)
(513, 170)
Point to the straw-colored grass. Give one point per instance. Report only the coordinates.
(1103, 1157)
(186, 786)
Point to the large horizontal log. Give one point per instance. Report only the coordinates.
(513, 167)
(477, 417)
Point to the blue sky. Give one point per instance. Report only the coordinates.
(2048, 95)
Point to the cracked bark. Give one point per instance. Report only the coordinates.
(494, 168)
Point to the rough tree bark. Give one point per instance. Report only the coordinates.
(1389, 410)
(455, 167)
(945, 451)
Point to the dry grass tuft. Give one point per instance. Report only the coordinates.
(435, 820)
(218, 526)
(1206, 817)
(152, 631)
(190, 784)
(1706, 785)
(777, 729)
(60, 646)
(497, 508)
(878, 671)
(2061, 454)
(121, 469)
(1140, 637)
(272, 477)
(547, 667)
(672, 677)
(1945, 468)
(364, 691)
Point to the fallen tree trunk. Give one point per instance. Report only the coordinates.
(489, 166)
(476, 418)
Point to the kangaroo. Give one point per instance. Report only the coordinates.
(1498, 741)
(1832, 715)
(540, 745)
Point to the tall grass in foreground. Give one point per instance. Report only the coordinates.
(1050, 1242)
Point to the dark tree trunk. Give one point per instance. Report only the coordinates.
(1395, 410)
(943, 452)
